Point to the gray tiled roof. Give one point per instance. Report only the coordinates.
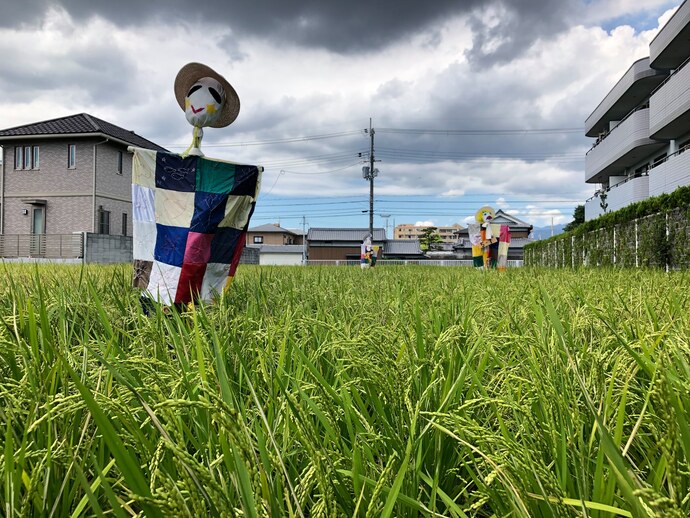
(82, 123)
(270, 227)
(344, 234)
(402, 246)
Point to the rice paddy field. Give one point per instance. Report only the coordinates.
(332, 391)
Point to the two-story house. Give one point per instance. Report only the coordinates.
(67, 175)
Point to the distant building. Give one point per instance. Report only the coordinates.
(406, 231)
(642, 126)
(340, 244)
(273, 234)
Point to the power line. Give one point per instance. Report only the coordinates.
(513, 131)
(288, 140)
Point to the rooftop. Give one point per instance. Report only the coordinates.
(79, 124)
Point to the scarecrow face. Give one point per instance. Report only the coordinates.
(487, 216)
(204, 102)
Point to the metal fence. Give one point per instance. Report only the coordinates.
(50, 246)
(408, 262)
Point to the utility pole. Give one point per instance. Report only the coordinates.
(371, 182)
(369, 173)
(304, 240)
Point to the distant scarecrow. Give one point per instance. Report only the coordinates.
(191, 213)
(490, 241)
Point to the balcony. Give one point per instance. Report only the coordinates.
(670, 47)
(623, 147)
(619, 196)
(629, 92)
(672, 173)
(669, 106)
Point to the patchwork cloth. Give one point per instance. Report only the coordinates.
(190, 219)
(503, 246)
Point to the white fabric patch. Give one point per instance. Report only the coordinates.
(163, 282)
(215, 278)
(144, 167)
(143, 240)
(237, 210)
(143, 203)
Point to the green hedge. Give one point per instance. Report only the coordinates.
(652, 233)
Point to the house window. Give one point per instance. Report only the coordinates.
(119, 162)
(103, 221)
(124, 223)
(71, 156)
(258, 240)
(18, 160)
(26, 157)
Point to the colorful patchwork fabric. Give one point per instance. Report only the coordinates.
(503, 245)
(190, 218)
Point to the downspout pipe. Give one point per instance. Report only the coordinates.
(2, 192)
(93, 205)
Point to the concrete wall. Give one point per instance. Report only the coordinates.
(100, 248)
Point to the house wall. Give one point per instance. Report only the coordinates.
(68, 193)
(280, 259)
(274, 238)
(317, 253)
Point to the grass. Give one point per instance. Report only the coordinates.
(323, 391)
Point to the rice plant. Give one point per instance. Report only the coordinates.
(326, 391)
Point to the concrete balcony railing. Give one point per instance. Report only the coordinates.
(674, 172)
(635, 85)
(670, 48)
(623, 147)
(619, 196)
(593, 208)
(669, 106)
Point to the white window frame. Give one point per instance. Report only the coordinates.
(18, 158)
(35, 157)
(71, 156)
(27, 157)
(258, 240)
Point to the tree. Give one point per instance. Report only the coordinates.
(578, 219)
(428, 239)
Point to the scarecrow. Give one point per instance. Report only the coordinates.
(490, 241)
(368, 253)
(191, 213)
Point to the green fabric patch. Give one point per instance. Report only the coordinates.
(478, 261)
(214, 176)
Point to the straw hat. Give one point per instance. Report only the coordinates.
(190, 74)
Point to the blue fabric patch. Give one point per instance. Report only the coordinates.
(171, 243)
(224, 244)
(246, 177)
(176, 173)
(209, 210)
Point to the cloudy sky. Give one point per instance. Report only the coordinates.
(472, 102)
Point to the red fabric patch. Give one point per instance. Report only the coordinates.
(198, 248)
(189, 287)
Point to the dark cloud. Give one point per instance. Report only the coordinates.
(344, 27)
(514, 27)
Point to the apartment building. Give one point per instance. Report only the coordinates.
(642, 126)
(411, 232)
